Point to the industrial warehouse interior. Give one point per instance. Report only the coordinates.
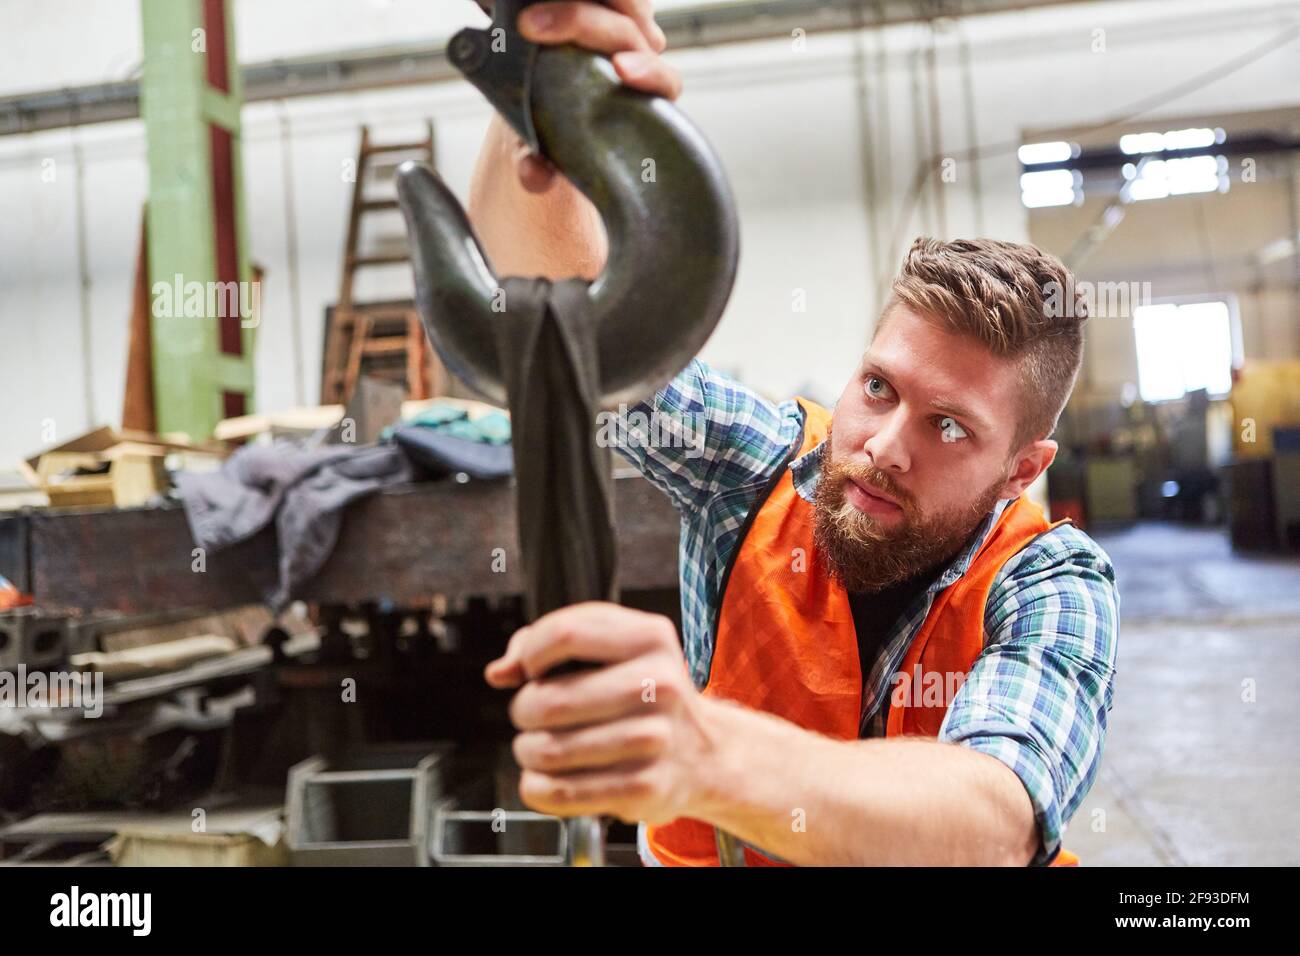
(417, 440)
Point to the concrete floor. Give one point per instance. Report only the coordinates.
(1202, 761)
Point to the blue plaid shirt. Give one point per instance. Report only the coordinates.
(1036, 698)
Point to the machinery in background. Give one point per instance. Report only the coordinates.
(1121, 463)
(1264, 476)
(1195, 459)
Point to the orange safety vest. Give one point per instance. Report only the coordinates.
(786, 643)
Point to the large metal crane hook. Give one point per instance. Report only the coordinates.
(666, 206)
(572, 346)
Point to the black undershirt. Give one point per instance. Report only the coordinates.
(875, 614)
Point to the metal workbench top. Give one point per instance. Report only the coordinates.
(402, 545)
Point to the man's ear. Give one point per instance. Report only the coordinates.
(1030, 462)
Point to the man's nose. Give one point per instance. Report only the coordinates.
(887, 448)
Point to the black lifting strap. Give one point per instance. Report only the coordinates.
(546, 343)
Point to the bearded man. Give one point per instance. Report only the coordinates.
(888, 655)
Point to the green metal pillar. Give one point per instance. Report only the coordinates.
(202, 296)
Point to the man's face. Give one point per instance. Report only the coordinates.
(919, 452)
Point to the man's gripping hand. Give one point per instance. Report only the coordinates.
(627, 738)
(623, 30)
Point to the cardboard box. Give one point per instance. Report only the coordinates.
(108, 467)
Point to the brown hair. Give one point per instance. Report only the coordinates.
(1018, 301)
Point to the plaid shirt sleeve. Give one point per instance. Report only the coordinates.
(710, 444)
(704, 433)
(1038, 696)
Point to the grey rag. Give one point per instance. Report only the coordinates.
(303, 491)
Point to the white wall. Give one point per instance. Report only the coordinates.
(786, 123)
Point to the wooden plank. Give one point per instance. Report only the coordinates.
(391, 345)
(337, 334)
(137, 400)
(380, 149)
(136, 561)
(403, 545)
(380, 259)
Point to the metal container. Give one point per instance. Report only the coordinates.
(36, 639)
(464, 837)
(368, 808)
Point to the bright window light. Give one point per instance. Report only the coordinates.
(1134, 143)
(1194, 174)
(1181, 348)
(1150, 185)
(1031, 154)
(1050, 187)
(1189, 138)
(1194, 138)
(1160, 178)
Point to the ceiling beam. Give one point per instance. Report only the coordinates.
(425, 63)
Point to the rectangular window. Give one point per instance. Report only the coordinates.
(1047, 179)
(1182, 347)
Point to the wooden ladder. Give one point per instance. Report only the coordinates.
(384, 339)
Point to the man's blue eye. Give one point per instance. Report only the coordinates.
(950, 429)
(872, 384)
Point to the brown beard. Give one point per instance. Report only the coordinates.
(861, 553)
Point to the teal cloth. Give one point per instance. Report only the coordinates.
(492, 428)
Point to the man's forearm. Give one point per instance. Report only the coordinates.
(555, 233)
(813, 800)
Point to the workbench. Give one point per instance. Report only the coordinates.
(268, 706)
(396, 548)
